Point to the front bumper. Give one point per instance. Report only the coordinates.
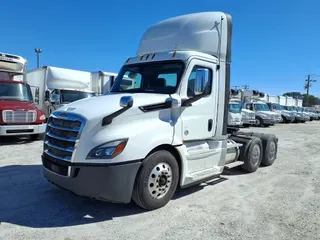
(13, 130)
(113, 183)
(234, 123)
(268, 121)
(248, 121)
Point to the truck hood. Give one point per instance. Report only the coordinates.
(15, 105)
(101, 106)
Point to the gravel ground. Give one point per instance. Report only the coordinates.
(277, 202)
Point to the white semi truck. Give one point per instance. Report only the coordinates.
(102, 82)
(56, 87)
(169, 130)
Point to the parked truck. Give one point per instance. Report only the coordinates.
(102, 81)
(252, 101)
(274, 105)
(248, 117)
(56, 87)
(18, 113)
(169, 130)
(235, 107)
(290, 106)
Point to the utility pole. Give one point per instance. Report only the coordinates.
(236, 87)
(246, 87)
(308, 84)
(38, 51)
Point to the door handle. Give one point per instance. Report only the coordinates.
(210, 122)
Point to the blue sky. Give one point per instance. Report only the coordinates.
(275, 43)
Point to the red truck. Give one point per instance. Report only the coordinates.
(19, 115)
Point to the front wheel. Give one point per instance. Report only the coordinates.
(156, 181)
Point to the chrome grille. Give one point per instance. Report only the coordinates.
(62, 133)
(19, 116)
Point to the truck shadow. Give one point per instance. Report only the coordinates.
(27, 199)
(5, 141)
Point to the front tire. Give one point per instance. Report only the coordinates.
(156, 181)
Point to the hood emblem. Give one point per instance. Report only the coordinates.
(70, 109)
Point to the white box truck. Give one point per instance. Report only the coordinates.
(274, 105)
(169, 130)
(102, 82)
(235, 106)
(252, 101)
(56, 87)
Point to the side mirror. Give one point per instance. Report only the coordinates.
(36, 95)
(47, 95)
(55, 98)
(126, 102)
(202, 82)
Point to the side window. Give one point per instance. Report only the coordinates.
(249, 106)
(198, 86)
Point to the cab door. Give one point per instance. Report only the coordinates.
(199, 117)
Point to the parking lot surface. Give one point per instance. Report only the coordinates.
(277, 202)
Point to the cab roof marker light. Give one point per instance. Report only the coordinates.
(147, 57)
(128, 60)
(174, 54)
(141, 57)
(153, 56)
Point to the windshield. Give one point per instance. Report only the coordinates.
(11, 76)
(300, 109)
(68, 96)
(149, 77)
(276, 106)
(15, 91)
(261, 107)
(291, 108)
(235, 107)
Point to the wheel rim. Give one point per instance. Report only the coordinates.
(272, 150)
(255, 154)
(160, 180)
(258, 122)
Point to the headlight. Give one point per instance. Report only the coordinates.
(263, 116)
(108, 150)
(42, 117)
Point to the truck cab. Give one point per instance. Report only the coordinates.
(19, 115)
(298, 117)
(262, 113)
(286, 116)
(168, 130)
(305, 116)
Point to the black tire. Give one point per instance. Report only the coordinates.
(246, 125)
(260, 120)
(251, 160)
(141, 194)
(270, 148)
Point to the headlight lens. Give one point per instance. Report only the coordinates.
(108, 150)
(42, 117)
